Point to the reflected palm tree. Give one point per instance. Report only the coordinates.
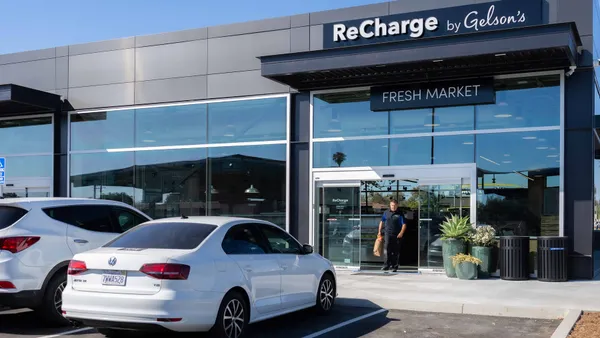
(339, 158)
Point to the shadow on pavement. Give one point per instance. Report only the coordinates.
(25, 322)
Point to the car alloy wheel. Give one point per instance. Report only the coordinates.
(58, 297)
(233, 318)
(326, 294)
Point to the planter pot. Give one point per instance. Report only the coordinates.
(466, 270)
(451, 247)
(485, 255)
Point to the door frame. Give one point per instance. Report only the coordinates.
(352, 177)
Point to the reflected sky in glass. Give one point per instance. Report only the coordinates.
(361, 153)
(26, 136)
(103, 130)
(453, 149)
(28, 166)
(410, 151)
(167, 126)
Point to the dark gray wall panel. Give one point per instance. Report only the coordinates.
(102, 46)
(169, 61)
(300, 117)
(62, 72)
(350, 13)
(300, 164)
(101, 68)
(300, 39)
(240, 52)
(171, 90)
(579, 11)
(300, 20)
(171, 37)
(28, 56)
(35, 74)
(397, 7)
(249, 27)
(121, 94)
(316, 37)
(242, 83)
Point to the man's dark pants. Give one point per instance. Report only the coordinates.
(392, 246)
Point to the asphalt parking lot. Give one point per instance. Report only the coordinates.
(342, 322)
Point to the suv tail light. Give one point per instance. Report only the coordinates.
(166, 271)
(6, 285)
(17, 244)
(76, 267)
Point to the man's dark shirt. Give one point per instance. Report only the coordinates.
(392, 222)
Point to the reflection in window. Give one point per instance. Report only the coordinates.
(522, 102)
(356, 153)
(453, 149)
(103, 175)
(26, 136)
(169, 126)
(248, 181)
(454, 119)
(410, 151)
(247, 121)
(171, 183)
(411, 121)
(28, 176)
(516, 181)
(347, 114)
(103, 130)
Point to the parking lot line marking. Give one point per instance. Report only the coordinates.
(67, 332)
(348, 322)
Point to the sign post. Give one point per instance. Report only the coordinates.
(2, 176)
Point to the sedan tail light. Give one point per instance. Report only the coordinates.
(166, 271)
(17, 244)
(76, 267)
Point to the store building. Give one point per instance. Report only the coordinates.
(480, 108)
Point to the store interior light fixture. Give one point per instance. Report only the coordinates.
(229, 131)
(252, 190)
(213, 191)
(432, 122)
(502, 116)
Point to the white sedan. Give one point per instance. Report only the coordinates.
(193, 274)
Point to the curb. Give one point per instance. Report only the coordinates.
(458, 308)
(566, 326)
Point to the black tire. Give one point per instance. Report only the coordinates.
(326, 294)
(233, 305)
(112, 333)
(50, 309)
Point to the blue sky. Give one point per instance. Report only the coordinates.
(38, 24)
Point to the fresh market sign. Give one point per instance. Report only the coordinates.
(435, 23)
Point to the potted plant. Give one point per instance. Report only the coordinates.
(483, 239)
(455, 232)
(466, 266)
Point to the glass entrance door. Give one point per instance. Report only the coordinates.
(436, 202)
(338, 234)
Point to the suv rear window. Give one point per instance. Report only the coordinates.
(184, 236)
(10, 215)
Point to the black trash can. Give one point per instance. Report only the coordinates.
(514, 257)
(552, 258)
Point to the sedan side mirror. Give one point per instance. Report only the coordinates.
(308, 249)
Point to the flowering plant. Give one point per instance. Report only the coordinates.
(484, 236)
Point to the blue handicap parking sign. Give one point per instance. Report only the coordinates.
(2, 177)
(2, 162)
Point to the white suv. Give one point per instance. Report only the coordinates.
(38, 238)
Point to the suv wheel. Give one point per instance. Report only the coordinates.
(51, 306)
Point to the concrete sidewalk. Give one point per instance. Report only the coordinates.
(495, 297)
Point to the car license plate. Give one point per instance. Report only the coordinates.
(117, 278)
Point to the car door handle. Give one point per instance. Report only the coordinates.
(283, 267)
(80, 241)
(248, 269)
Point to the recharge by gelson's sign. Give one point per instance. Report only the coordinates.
(434, 23)
(434, 94)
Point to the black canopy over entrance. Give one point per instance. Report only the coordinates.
(529, 49)
(19, 100)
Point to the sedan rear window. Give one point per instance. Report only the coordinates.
(184, 236)
(10, 215)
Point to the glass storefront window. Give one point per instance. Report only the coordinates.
(171, 183)
(28, 176)
(170, 126)
(522, 103)
(410, 151)
(517, 174)
(102, 130)
(356, 153)
(411, 121)
(448, 119)
(247, 121)
(453, 149)
(248, 181)
(347, 114)
(26, 136)
(103, 175)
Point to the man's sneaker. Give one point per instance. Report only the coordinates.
(385, 268)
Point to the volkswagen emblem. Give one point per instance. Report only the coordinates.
(112, 261)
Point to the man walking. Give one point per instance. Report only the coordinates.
(392, 228)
